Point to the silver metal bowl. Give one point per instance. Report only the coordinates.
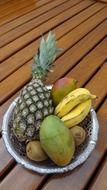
(82, 152)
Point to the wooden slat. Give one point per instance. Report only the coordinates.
(20, 178)
(92, 62)
(5, 159)
(96, 90)
(4, 108)
(64, 8)
(8, 66)
(84, 28)
(100, 92)
(7, 86)
(26, 70)
(66, 181)
(3, 2)
(78, 179)
(25, 18)
(22, 11)
(13, 81)
(99, 78)
(68, 60)
(73, 55)
(84, 52)
(101, 180)
(22, 41)
(7, 5)
(16, 5)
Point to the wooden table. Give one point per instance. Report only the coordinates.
(81, 30)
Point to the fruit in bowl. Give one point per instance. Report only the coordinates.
(79, 134)
(61, 88)
(35, 152)
(35, 102)
(56, 140)
(42, 117)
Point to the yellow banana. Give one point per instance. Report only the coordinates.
(71, 100)
(78, 114)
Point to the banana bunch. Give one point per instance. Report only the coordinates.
(75, 106)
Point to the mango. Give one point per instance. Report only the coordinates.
(61, 88)
(35, 152)
(79, 134)
(57, 140)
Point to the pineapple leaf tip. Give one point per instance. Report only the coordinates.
(46, 55)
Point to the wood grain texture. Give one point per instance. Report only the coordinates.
(68, 60)
(5, 106)
(14, 6)
(14, 81)
(101, 181)
(74, 36)
(23, 11)
(26, 27)
(7, 86)
(79, 50)
(23, 179)
(3, 2)
(5, 5)
(100, 92)
(81, 29)
(104, 1)
(6, 159)
(95, 156)
(98, 84)
(30, 36)
(91, 62)
(84, 28)
(29, 16)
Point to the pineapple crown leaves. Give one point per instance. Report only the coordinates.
(46, 55)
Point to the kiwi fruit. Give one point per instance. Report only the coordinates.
(35, 152)
(79, 134)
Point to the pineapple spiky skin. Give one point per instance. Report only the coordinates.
(33, 105)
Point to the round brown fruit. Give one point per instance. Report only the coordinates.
(35, 152)
(79, 134)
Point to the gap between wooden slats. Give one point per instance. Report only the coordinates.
(92, 61)
(74, 35)
(92, 85)
(6, 161)
(6, 92)
(68, 60)
(22, 11)
(99, 180)
(62, 180)
(22, 179)
(26, 27)
(16, 5)
(8, 5)
(29, 16)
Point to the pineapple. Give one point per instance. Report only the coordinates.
(35, 103)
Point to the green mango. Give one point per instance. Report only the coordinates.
(57, 140)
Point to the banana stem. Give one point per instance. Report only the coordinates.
(93, 96)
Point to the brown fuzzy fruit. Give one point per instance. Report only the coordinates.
(79, 134)
(35, 152)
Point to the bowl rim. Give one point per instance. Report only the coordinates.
(41, 169)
